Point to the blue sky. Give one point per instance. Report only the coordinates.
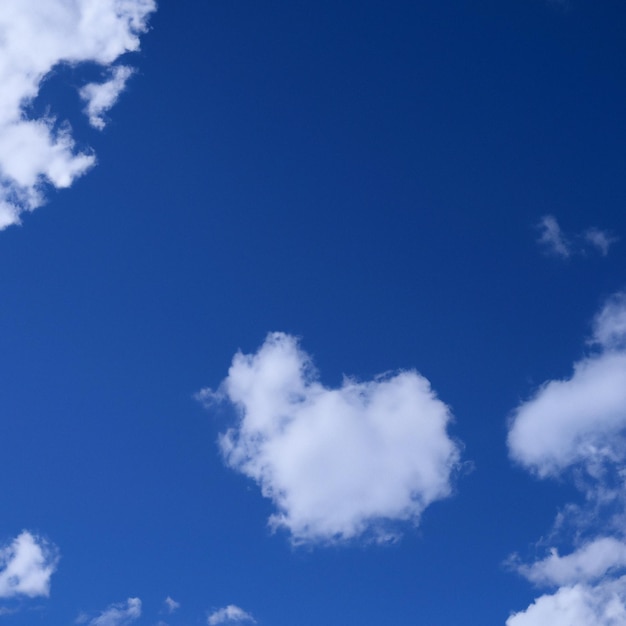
(312, 313)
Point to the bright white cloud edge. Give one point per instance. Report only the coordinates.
(337, 463)
(38, 36)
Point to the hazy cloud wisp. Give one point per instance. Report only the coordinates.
(557, 243)
(230, 613)
(589, 563)
(119, 614)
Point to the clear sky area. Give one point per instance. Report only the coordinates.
(312, 313)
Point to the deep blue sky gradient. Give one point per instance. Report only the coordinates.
(365, 175)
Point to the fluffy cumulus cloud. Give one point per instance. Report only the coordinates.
(26, 566)
(229, 614)
(119, 614)
(589, 563)
(578, 605)
(577, 425)
(557, 243)
(35, 37)
(579, 419)
(337, 463)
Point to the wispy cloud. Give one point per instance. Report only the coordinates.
(558, 243)
(100, 97)
(552, 238)
(337, 463)
(118, 614)
(36, 37)
(26, 566)
(230, 613)
(599, 239)
(575, 427)
(171, 604)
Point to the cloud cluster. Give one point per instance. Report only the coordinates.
(26, 566)
(560, 244)
(35, 37)
(576, 426)
(337, 463)
(230, 613)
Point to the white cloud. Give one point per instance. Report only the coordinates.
(578, 605)
(119, 614)
(599, 239)
(589, 563)
(551, 236)
(337, 463)
(573, 420)
(578, 423)
(557, 243)
(579, 419)
(35, 37)
(26, 566)
(230, 613)
(100, 97)
(609, 327)
(171, 604)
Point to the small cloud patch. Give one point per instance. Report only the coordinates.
(26, 566)
(556, 242)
